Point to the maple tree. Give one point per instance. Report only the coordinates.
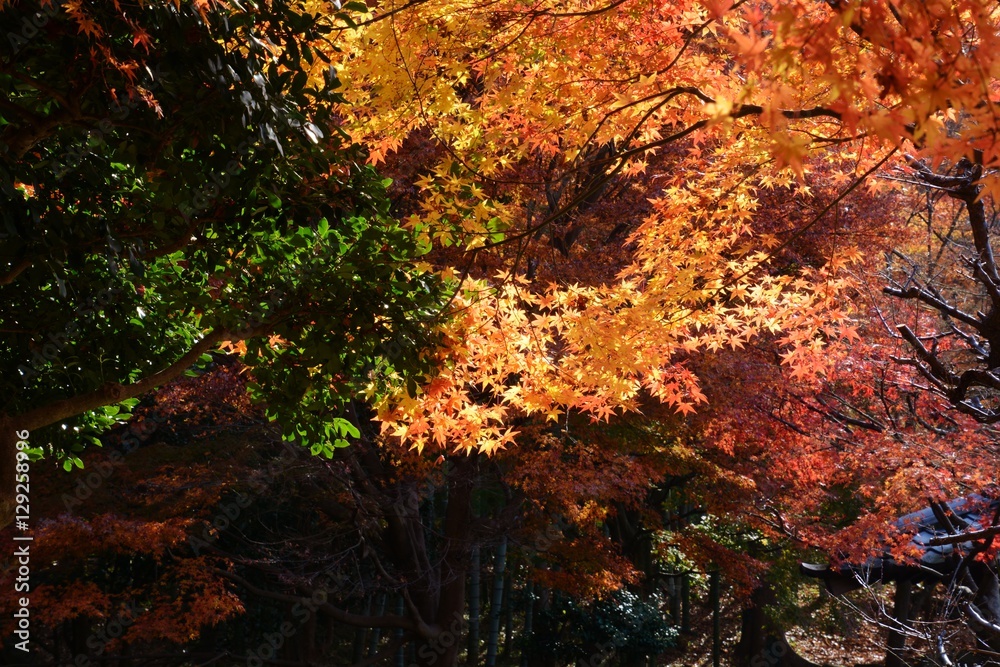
(525, 145)
(829, 465)
(526, 149)
(718, 102)
(941, 280)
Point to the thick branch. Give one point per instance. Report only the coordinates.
(964, 537)
(934, 301)
(979, 621)
(980, 231)
(933, 363)
(980, 274)
(15, 271)
(965, 187)
(114, 392)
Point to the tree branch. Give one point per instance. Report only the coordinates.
(964, 537)
(114, 392)
(937, 303)
(932, 362)
(15, 271)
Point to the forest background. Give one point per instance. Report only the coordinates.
(441, 332)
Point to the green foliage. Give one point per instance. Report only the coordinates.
(173, 175)
(621, 624)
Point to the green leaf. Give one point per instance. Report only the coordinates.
(348, 428)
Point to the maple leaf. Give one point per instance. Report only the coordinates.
(750, 46)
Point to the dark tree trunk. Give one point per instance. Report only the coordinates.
(358, 650)
(686, 603)
(529, 617)
(496, 602)
(674, 590)
(432, 591)
(400, 659)
(714, 593)
(455, 554)
(377, 632)
(475, 602)
(762, 643)
(508, 615)
(901, 612)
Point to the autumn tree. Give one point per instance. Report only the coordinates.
(830, 463)
(719, 96)
(942, 311)
(704, 107)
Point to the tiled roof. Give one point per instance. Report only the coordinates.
(973, 512)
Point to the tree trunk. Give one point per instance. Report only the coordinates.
(496, 602)
(398, 635)
(377, 632)
(762, 644)
(714, 593)
(474, 603)
(455, 552)
(686, 603)
(901, 612)
(358, 650)
(674, 589)
(529, 617)
(508, 617)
